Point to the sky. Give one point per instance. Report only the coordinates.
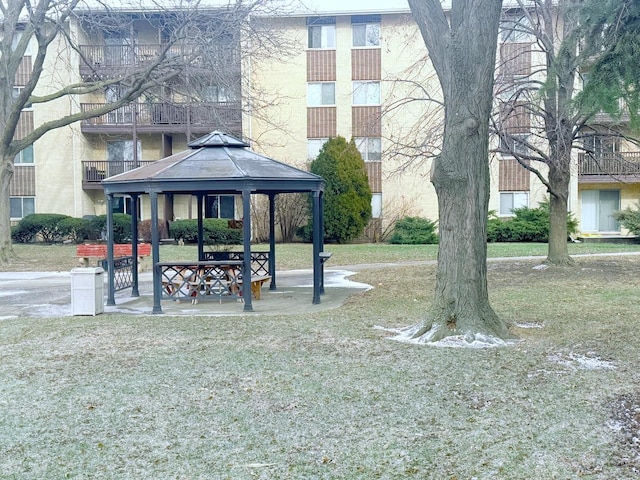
(353, 5)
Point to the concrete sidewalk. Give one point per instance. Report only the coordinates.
(48, 294)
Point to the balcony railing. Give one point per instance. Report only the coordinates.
(94, 171)
(614, 164)
(162, 116)
(109, 60)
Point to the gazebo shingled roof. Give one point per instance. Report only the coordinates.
(216, 163)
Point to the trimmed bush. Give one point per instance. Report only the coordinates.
(76, 229)
(629, 218)
(528, 225)
(216, 231)
(43, 225)
(121, 227)
(414, 231)
(24, 232)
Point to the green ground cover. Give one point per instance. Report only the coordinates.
(328, 395)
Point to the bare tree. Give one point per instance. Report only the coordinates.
(546, 46)
(291, 213)
(194, 39)
(462, 47)
(44, 29)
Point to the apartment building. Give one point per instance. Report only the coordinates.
(360, 74)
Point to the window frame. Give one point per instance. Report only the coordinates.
(322, 94)
(359, 85)
(329, 38)
(366, 37)
(513, 202)
(508, 145)
(366, 151)
(216, 201)
(376, 205)
(322, 141)
(19, 158)
(22, 206)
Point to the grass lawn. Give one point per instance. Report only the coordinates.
(34, 257)
(328, 395)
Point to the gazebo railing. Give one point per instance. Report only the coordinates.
(122, 271)
(259, 260)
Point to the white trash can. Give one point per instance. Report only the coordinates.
(87, 291)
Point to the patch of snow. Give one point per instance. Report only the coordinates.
(8, 293)
(338, 278)
(582, 362)
(476, 340)
(543, 266)
(529, 325)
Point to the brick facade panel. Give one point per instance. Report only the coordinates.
(23, 183)
(366, 64)
(321, 122)
(513, 176)
(365, 121)
(321, 65)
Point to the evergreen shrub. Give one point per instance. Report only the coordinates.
(216, 231)
(414, 231)
(347, 195)
(629, 218)
(528, 225)
(44, 226)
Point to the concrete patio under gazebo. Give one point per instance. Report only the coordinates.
(215, 164)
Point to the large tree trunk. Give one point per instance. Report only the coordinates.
(6, 174)
(464, 58)
(559, 177)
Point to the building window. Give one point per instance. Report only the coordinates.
(20, 207)
(516, 30)
(219, 93)
(321, 94)
(322, 32)
(599, 145)
(314, 145)
(123, 205)
(376, 205)
(370, 148)
(514, 144)
(366, 34)
(512, 200)
(366, 93)
(16, 92)
(220, 206)
(25, 157)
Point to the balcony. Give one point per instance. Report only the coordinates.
(94, 171)
(108, 61)
(197, 118)
(105, 61)
(609, 167)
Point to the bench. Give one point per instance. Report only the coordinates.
(98, 251)
(256, 285)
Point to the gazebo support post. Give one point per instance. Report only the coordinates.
(272, 240)
(317, 240)
(111, 294)
(321, 228)
(134, 244)
(200, 197)
(155, 253)
(246, 234)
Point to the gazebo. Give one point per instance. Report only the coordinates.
(215, 164)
